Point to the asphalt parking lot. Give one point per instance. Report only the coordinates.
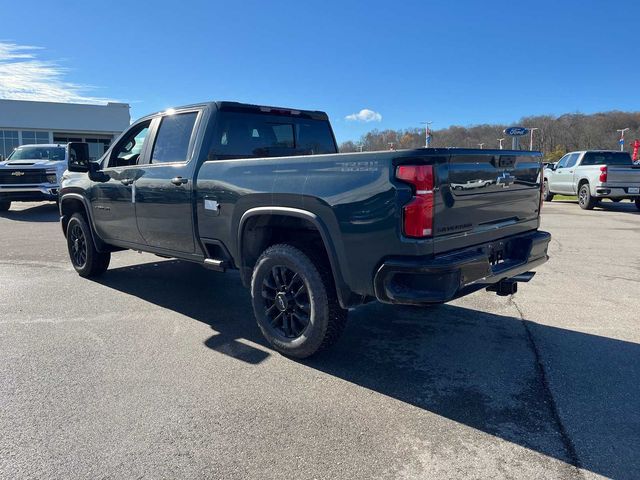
(158, 370)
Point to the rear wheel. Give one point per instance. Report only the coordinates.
(295, 301)
(638, 203)
(547, 196)
(5, 205)
(585, 200)
(86, 260)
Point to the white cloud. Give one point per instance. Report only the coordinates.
(24, 77)
(364, 115)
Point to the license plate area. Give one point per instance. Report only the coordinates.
(496, 254)
(503, 255)
(633, 190)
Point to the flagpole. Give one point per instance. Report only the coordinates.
(427, 136)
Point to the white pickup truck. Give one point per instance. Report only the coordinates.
(593, 175)
(32, 173)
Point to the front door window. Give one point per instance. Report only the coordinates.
(128, 150)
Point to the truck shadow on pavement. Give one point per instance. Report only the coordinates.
(480, 369)
(39, 213)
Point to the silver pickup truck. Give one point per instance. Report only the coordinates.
(32, 173)
(593, 175)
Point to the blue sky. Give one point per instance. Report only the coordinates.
(454, 62)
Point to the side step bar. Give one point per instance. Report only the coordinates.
(215, 264)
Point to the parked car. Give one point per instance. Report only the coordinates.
(594, 175)
(471, 184)
(32, 173)
(312, 232)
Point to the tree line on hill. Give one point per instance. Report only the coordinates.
(556, 136)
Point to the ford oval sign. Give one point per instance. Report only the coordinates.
(516, 131)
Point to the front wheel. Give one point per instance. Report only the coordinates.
(86, 260)
(295, 301)
(547, 196)
(5, 205)
(585, 200)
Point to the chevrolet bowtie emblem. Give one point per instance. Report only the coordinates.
(505, 180)
(17, 174)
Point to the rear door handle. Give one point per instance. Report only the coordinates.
(127, 181)
(179, 180)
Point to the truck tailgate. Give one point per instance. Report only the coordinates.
(623, 176)
(486, 197)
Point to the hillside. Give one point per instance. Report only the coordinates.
(557, 135)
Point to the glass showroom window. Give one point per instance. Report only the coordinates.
(30, 137)
(97, 147)
(8, 141)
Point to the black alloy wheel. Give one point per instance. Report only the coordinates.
(78, 246)
(85, 258)
(295, 301)
(286, 302)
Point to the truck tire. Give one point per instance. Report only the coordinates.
(86, 260)
(5, 205)
(638, 203)
(295, 301)
(585, 200)
(547, 196)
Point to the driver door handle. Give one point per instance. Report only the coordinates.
(127, 181)
(179, 180)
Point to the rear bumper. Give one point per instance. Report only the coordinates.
(413, 281)
(615, 192)
(31, 193)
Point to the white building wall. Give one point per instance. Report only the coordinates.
(25, 115)
(20, 119)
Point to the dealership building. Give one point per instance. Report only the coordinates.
(26, 122)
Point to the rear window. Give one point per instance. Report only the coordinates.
(607, 158)
(242, 135)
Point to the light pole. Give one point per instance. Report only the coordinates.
(500, 140)
(481, 145)
(427, 136)
(621, 141)
(531, 137)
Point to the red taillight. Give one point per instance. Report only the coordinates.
(418, 214)
(603, 173)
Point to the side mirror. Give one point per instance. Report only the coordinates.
(97, 175)
(78, 157)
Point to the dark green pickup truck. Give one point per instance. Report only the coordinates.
(312, 232)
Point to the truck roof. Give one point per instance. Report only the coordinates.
(251, 108)
(597, 150)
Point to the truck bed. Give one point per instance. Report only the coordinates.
(357, 198)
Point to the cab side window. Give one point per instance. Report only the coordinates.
(128, 150)
(173, 138)
(571, 161)
(563, 162)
